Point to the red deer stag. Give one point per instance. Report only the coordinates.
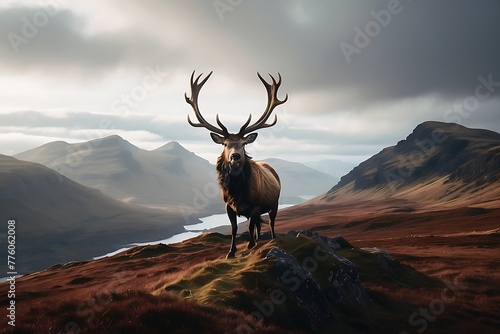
(249, 188)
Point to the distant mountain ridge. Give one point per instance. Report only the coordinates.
(169, 177)
(438, 162)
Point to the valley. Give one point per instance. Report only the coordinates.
(372, 254)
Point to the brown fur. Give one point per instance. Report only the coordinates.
(257, 185)
(253, 191)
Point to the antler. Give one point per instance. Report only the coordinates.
(193, 101)
(272, 102)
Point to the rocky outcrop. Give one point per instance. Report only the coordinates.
(300, 282)
(316, 278)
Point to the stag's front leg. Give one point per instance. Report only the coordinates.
(234, 229)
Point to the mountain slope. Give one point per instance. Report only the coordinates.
(437, 164)
(59, 220)
(169, 177)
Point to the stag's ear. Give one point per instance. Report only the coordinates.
(250, 138)
(216, 138)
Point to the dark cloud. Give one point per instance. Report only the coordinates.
(415, 66)
(48, 40)
(424, 47)
(432, 47)
(427, 47)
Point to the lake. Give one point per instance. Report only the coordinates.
(207, 223)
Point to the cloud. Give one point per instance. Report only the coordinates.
(410, 66)
(45, 39)
(420, 50)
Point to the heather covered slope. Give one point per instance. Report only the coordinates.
(393, 264)
(300, 282)
(59, 220)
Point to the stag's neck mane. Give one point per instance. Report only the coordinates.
(234, 186)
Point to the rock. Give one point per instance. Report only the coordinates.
(303, 287)
(320, 281)
(386, 261)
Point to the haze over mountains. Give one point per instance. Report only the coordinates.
(169, 177)
(333, 167)
(298, 180)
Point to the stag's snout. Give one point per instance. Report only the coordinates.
(235, 164)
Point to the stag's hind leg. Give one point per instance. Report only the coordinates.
(272, 218)
(253, 223)
(258, 225)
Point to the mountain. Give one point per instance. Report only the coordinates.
(58, 220)
(169, 177)
(437, 164)
(333, 167)
(298, 180)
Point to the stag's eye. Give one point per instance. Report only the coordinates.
(225, 145)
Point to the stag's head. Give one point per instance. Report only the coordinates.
(234, 143)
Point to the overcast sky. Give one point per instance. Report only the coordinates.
(360, 75)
